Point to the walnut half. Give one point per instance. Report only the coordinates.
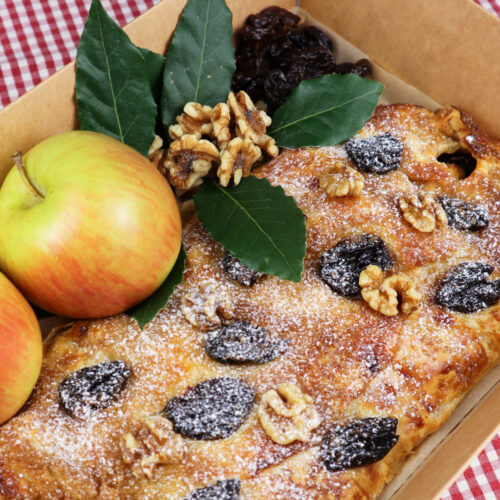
(189, 159)
(196, 120)
(221, 120)
(423, 212)
(237, 160)
(156, 152)
(153, 444)
(382, 293)
(292, 421)
(341, 180)
(205, 307)
(251, 123)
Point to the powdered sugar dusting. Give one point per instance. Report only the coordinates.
(354, 362)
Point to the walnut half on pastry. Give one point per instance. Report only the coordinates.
(382, 293)
(298, 410)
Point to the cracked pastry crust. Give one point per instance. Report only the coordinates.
(351, 360)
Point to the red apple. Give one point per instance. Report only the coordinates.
(20, 349)
(88, 226)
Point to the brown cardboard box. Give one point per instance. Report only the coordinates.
(445, 48)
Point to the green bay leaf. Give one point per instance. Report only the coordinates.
(258, 223)
(148, 309)
(325, 111)
(154, 67)
(113, 92)
(200, 61)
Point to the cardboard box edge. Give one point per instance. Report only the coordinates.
(451, 458)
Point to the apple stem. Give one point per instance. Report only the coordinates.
(18, 160)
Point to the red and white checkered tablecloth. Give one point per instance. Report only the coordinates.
(37, 37)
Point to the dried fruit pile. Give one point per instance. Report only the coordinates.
(274, 54)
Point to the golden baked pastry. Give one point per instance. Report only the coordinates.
(304, 376)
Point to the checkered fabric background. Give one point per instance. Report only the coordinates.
(481, 479)
(38, 37)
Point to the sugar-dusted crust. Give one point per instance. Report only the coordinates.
(352, 360)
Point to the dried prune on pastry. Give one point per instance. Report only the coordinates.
(462, 159)
(213, 409)
(465, 215)
(93, 387)
(342, 264)
(238, 271)
(228, 489)
(465, 288)
(358, 442)
(241, 342)
(378, 154)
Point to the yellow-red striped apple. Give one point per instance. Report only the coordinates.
(88, 226)
(20, 349)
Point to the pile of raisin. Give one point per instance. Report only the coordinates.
(464, 215)
(465, 288)
(358, 442)
(273, 55)
(378, 154)
(238, 271)
(228, 489)
(213, 409)
(241, 342)
(93, 387)
(342, 265)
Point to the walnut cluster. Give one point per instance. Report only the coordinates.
(153, 444)
(205, 308)
(291, 421)
(230, 136)
(382, 293)
(156, 152)
(341, 180)
(189, 159)
(423, 212)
